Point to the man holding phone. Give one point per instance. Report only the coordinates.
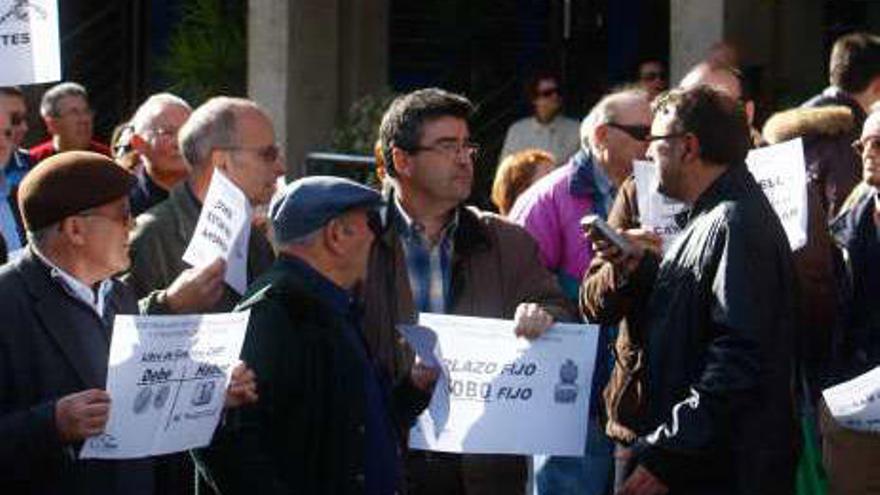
(719, 340)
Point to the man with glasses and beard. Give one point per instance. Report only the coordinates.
(613, 135)
(718, 312)
(18, 163)
(547, 129)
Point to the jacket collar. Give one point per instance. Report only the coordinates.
(470, 234)
(46, 294)
(718, 191)
(845, 226)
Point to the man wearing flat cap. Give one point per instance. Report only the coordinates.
(58, 302)
(327, 420)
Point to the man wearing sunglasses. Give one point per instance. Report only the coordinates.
(652, 77)
(12, 103)
(613, 135)
(547, 129)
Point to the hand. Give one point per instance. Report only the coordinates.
(647, 239)
(531, 321)
(81, 415)
(196, 289)
(628, 262)
(642, 482)
(423, 376)
(242, 387)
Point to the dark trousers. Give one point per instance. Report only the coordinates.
(437, 473)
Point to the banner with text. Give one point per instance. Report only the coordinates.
(167, 378)
(30, 52)
(223, 231)
(501, 394)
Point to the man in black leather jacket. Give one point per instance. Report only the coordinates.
(718, 312)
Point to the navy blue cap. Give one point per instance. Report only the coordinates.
(305, 205)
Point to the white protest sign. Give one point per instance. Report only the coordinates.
(501, 394)
(856, 404)
(656, 211)
(167, 378)
(781, 172)
(30, 51)
(223, 231)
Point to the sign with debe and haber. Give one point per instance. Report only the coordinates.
(30, 51)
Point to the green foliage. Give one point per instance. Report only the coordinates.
(207, 53)
(359, 130)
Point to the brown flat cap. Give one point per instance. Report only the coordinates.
(68, 183)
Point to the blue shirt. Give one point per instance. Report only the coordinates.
(429, 265)
(381, 454)
(8, 224)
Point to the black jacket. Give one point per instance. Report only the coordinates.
(305, 435)
(52, 345)
(720, 321)
(857, 344)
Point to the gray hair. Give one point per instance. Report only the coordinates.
(212, 126)
(40, 238)
(49, 105)
(606, 111)
(152, 107)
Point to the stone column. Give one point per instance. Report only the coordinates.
(308, 60)
(694, 26)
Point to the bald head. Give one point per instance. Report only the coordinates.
(615, 130)
(719, 77)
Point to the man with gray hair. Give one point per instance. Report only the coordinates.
(68, 117)
(612, 136)
(235, 137)
(154, 155)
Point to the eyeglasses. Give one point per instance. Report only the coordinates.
(666, 136)
(269, 153)
(163, 132)
(547, 93)
(637, 132)
(16, 119)
(123, 217)
(871, 143)
(452, 149)
(651, 76)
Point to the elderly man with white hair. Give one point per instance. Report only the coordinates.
(155, 155)
(612, 136)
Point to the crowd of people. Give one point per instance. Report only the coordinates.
(712, 349)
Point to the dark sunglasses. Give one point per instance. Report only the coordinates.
(547, 93)
(16, 119)
(637, 132)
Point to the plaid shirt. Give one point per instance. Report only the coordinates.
(429, 265)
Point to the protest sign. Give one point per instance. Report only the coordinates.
(223, 231)
(781, 172)
(30, 51)
(856, 404)
(503, 394)
(167, 378)
(656, 211)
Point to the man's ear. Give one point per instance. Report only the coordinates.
(600, 136)
(401, 162)
(73, 229)
(220, 160)
(749, 109)
(51, 125)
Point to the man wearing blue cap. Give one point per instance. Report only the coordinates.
(327, 421)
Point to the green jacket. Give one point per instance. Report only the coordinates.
(306, 433)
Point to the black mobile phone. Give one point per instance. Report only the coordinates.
(600, 226)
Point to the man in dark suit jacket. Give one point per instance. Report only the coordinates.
(58, 302)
